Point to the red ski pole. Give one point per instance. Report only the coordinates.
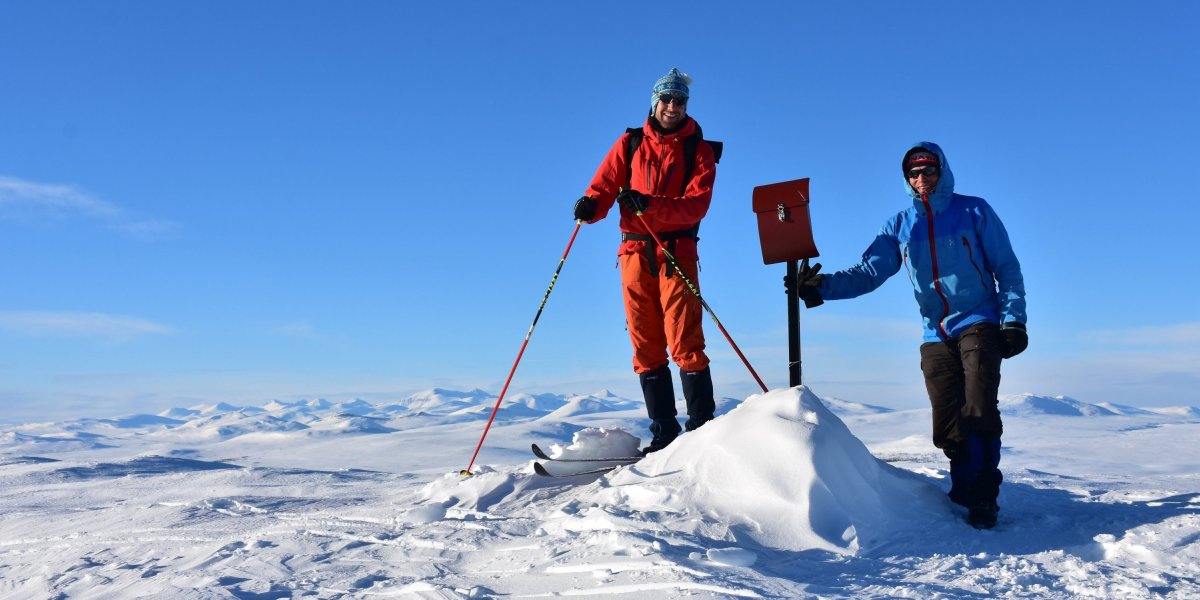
(467, 471)
(696, 292)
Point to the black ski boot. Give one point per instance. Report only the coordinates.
(659, 393)
(665, 431)
(983, 515)
(698, 394)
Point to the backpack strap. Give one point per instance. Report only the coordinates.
(635, 139)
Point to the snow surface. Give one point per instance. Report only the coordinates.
(784, 495)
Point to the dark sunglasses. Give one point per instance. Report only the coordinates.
(929, 171)
(678, 100)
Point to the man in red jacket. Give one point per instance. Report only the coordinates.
(664, 187)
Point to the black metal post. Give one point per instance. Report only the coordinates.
(793, 328)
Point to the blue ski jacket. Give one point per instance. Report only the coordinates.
(958, 256)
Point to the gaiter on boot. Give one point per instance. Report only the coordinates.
(960, 459)
(659, 392)
(698, 393)
(983, 473)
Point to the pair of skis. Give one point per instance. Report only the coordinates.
(541, 469)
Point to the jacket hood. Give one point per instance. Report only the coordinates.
(945, 187)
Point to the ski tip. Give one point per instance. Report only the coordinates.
(538, 452)
(540, 470)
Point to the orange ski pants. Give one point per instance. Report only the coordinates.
(662, 314)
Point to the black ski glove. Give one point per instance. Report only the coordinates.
(1014, 338)
(585, 209)
(633, 200)
(808, 279)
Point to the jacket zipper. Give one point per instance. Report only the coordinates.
(912, 277)
(937, 282)
(971, 255)
(664, 143)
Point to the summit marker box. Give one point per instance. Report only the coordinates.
(784, 228)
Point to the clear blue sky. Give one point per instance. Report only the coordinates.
(244, 201)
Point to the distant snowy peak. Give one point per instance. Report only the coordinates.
(1122, 409)
(577, 405)
(1065, 406)
(313, 409)
(442, 394)
(229, 425)
(179, 413)
(322, 417)
(210, 409)
(537, 402)
(844, 407)
(441, 401)
(1189, 412)
(350, 423)
(1032, 404)
(14, 442)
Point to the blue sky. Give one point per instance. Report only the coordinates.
(248, 201)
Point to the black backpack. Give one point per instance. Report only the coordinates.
(689, 152)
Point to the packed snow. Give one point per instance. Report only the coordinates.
(784, 495)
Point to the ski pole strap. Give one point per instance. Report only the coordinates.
(668, 238)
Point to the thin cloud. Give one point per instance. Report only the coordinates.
(20, 199)
(1164, 335)
(296, 329)
(82, 324)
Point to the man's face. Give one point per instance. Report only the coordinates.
(924, 178)
(670, 111)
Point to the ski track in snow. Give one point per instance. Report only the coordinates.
(326, 500)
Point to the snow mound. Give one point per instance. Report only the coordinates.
(484, 488)
(783, 470)
(1030, 404)
(594, 443)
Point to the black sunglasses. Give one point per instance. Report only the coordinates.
(929, 171)
(678, 100)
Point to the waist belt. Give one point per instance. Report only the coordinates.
(667, 238)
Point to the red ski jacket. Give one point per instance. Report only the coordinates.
(658, 168)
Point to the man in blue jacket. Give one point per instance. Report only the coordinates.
(968, 284)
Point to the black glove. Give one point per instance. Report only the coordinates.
(808, 279)
(633, 200)
(1014, 339)
(585, 209)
